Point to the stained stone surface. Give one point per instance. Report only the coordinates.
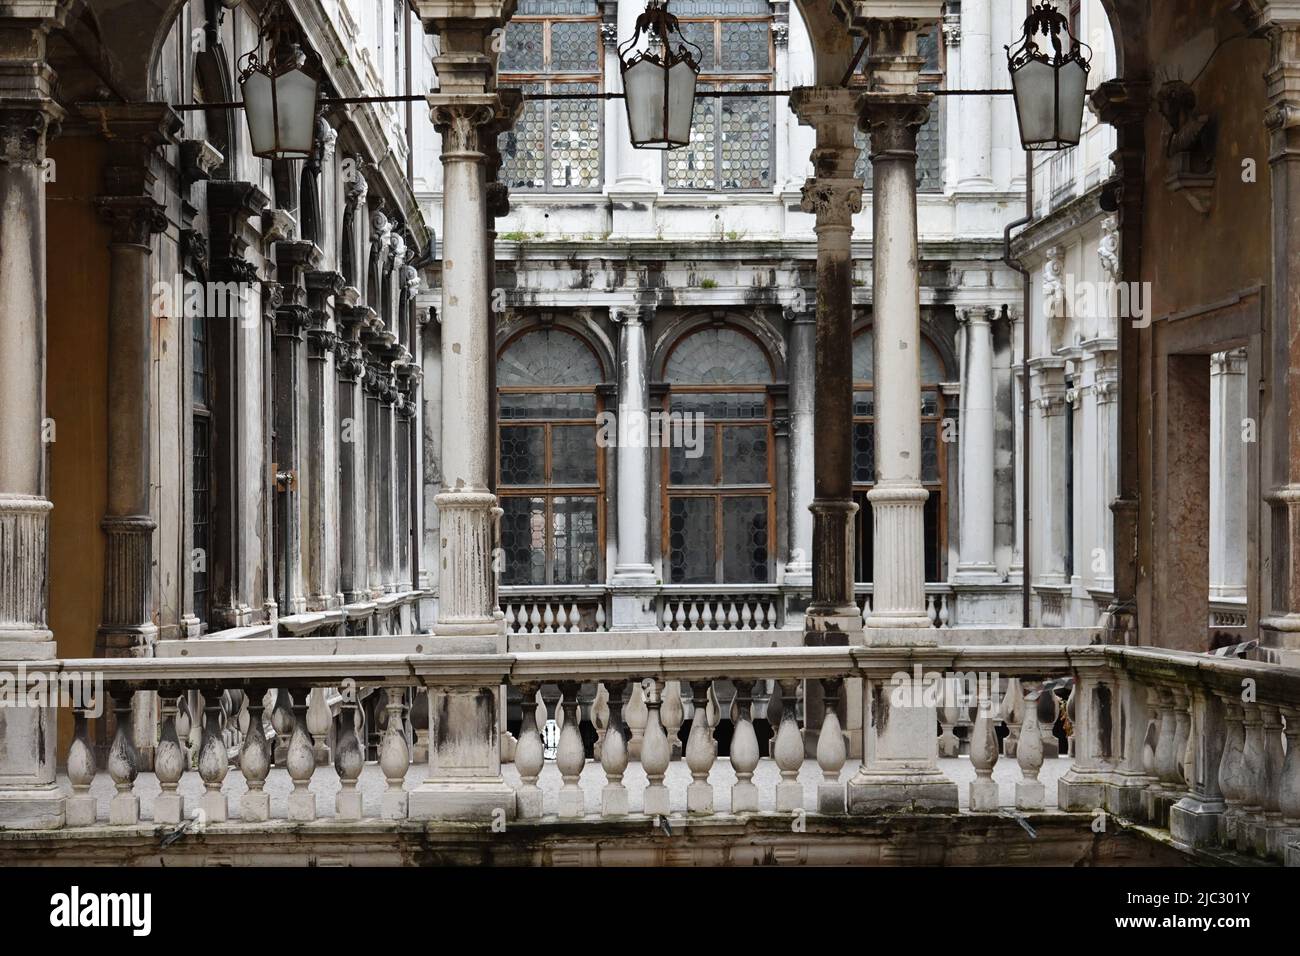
(371, 785)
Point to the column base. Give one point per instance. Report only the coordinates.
(832, 627)
(468, 800)
(977, 574)
(32, 808)
(898, 619)
(634, 608)
(910, 792)
(1195, 822)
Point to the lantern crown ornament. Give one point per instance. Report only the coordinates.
(659, 67)
(1049, 87)
(280, 83)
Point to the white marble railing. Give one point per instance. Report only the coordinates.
(940, 603)
(751, 609)
(1207, 747)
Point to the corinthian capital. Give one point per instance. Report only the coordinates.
(466, 121)
(23, 132)
(892, 120)
(832, 200)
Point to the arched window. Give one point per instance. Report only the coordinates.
(933, 461)
(550, 472)
(718, 508)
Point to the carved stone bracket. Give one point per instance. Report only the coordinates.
(132, 219)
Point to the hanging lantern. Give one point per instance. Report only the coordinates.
(280, 84)
(1049, 88)
(659, 80)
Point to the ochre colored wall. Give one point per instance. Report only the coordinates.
(76, 387)
(1193, 259)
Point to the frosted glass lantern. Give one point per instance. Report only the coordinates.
(659, 80)
(1049, 88)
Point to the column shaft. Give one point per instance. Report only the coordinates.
(977, 440)
(898, 498)
(802, 449)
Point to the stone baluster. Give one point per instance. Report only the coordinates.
(185, 729)
(318, 725)
(701, 751)
(420, 726)
(613, 756)
(831, 750)
(984, 754)
(672, 714)
(348, 762)
(80, 808)
(773, 711)
(744, 752)
(1011, 712)
(1231, 768)
(255, 764)
(1274, 758)
(123, 765)
(1254, 776)
(169, 764)
(788, 752)
(1166, 762)
(600, 719)
(637, 715)
(655, 754)
(1182, 736)
(394, 757)
(301, 763)
(571, 756)
(948, 717)
(282, 723)
(213, 762)
(1030, 792)
(529, 753)
(1288, 796)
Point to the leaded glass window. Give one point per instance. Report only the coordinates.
(731, 144)
(929, 138)
(555, 144)
(550, 471)
(718, 513)
(933, 458)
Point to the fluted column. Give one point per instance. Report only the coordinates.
(802, 447)
(977, 440)
(320, 466)
(135, 134)
(29, 797)
(1279, 584)
(634, 575)
(833, 194)
(893, 114)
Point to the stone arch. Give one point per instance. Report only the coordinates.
(551, 355)
(677, 330)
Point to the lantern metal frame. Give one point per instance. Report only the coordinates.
(1046, 20)
(656, 22)
(281, 38)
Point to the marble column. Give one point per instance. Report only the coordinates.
(350, 366)
(975, 118)
(976, 437)
(634, 575)
(833, 194)
(1279, 586)
(1228, 466)
(892, 114)
(1047, 384)
(135, 134)
(802, 447)
(293, 260)
(464, 777)
(29, 797)
(320, 489)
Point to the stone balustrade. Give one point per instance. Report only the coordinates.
(1201, 746)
